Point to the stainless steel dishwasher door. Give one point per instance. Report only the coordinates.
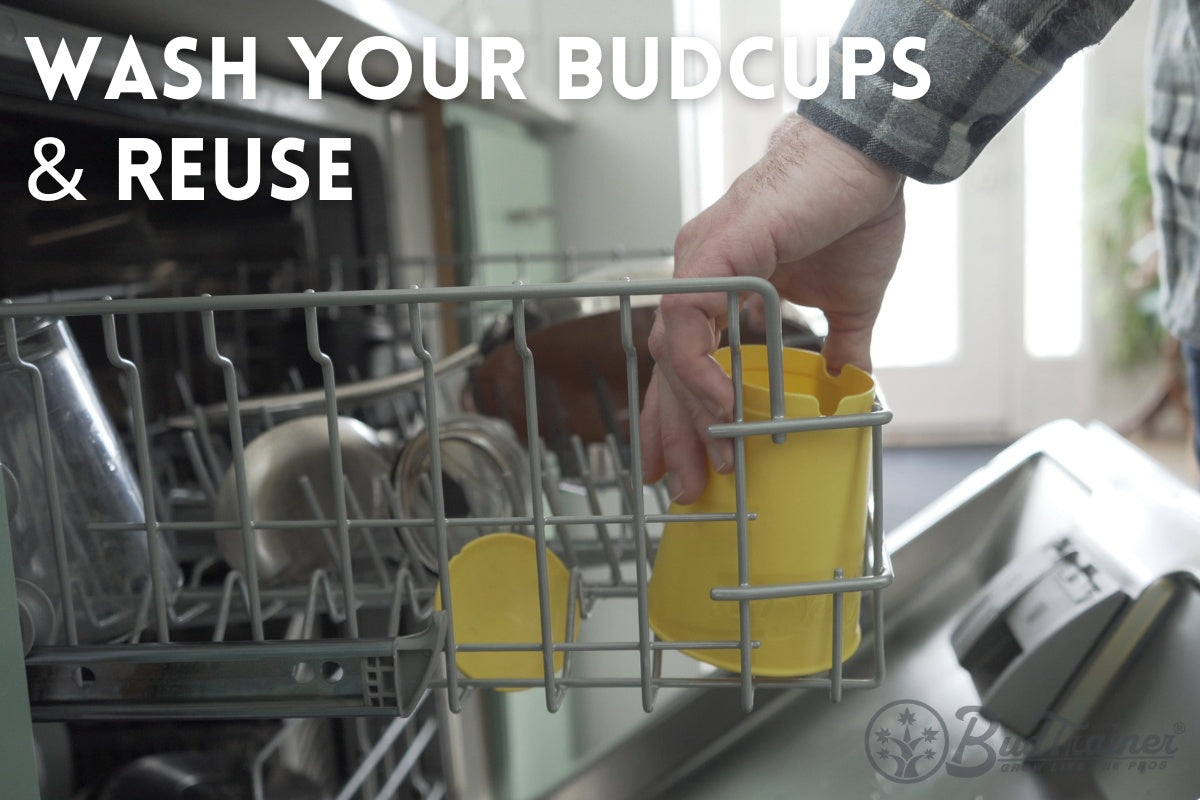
(1060, 480)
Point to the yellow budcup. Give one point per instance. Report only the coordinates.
(494, 595)
(810, 495)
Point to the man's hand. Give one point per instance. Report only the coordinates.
(824, 224)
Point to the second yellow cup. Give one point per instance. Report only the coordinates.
(810, 497)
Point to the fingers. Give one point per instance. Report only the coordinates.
(654, 462)
(755, 314)
(847, 346)
(672, 445)
(814, 204)
(689, 392)
(682, 341)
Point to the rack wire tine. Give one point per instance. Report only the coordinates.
(739, 469)
(260, 760)
(233, 580)
(202, 429)
(335, 464)
(574, 602)
(238, 449)
(439, 501)
(367, 533)
(319, 584)
(206, 480)
(318, 512)
(880, 557)
(625, 483)
(637, 504)
(774, 327)
(405, 585)
(395, 508)
(51, 474)
(134, 329)
(141, 443)
(593, 498)
(836, 651)
(553, 699)
(161, 503)
(89, 610)
(362, 733)
(411, 753)
(550, 491)
(877, 498)
(421, 784)
(142, 619)
(382, 745)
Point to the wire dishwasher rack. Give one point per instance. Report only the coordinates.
(361, 635)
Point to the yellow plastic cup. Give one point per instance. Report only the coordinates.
(810, 495)
(494, 592)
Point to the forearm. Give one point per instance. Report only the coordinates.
(984, 64)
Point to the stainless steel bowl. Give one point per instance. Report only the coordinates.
(276, 462)
(38, 617)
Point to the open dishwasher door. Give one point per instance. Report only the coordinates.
(1042, 641)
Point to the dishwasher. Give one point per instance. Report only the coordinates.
(1040, 640)
(160, 642)
(198, 604)
(1041, 644)
(262, 571)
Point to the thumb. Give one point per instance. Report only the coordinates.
(847, 346)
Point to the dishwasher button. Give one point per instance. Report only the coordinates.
(1075, 582)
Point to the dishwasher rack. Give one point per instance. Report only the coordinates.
(368, 670)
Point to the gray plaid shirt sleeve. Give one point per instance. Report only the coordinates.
(986, 59)
(1173, 157)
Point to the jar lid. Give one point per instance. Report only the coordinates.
(484, 474)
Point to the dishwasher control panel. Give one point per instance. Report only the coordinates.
(1029, 630)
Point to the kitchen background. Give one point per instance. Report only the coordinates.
(1038, 342)
(1016, 302)
(1011, 304)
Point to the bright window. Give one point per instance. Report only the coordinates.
(1054, 216)
(701, 122)
(919, 324)
(808, 21)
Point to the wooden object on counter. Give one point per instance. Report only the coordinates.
(442, 203)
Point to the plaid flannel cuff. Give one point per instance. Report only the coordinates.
(985, 61)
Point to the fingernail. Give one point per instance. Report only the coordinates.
(674, 486)
(720, 460)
